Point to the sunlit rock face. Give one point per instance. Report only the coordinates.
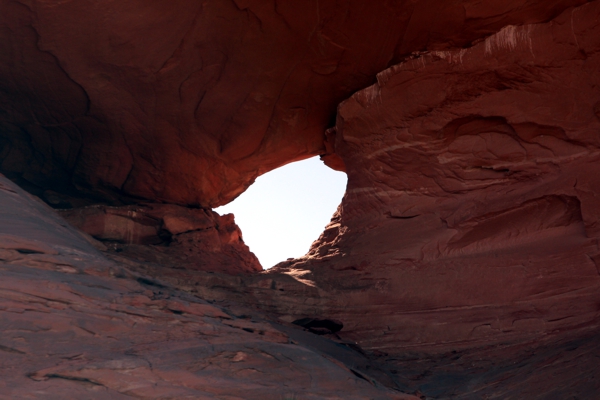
(471, 214)
(186, 101)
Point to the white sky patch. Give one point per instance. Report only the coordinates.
(285, 210)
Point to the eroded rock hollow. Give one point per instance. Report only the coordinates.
(463, 261)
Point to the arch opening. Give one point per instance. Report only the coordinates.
(286, 210)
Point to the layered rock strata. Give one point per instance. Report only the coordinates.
(464, 255)
(169, 234)
(471, 215)
(471, 189)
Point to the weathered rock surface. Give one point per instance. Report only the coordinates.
(462, 262)
(75, 324)
(188, 102)
(169, 234)
(471, 188)
(470, 223)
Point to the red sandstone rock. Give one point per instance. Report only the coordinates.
(469, 173)
(75, 324)
(463, 257)
(188, 102)
(126, 225)
(177, 220)
(191, 238)
(471, 215)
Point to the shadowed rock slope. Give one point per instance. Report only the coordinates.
(76, 324)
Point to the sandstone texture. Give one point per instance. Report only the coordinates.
(170, 234)
(188, 102)
(471, 214)
(462, 263)
(75, 324)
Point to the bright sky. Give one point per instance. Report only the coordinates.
(286, 210)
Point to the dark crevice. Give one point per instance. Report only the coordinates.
(11, 350)
(320, 326)
(28, 251)
(149, 282)
(73, 378)
(361, 376)
(390, 215)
